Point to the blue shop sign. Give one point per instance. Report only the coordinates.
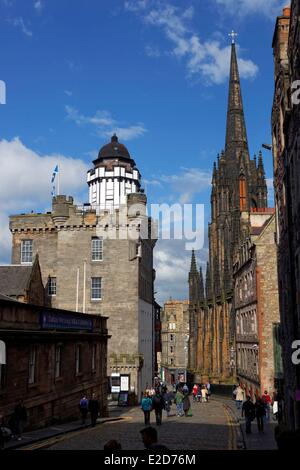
(60, 321)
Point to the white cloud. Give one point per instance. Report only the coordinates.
(172, 264)
(25, 183)
(269, 8)
(183, 185)
(38, 5)
(105, 125)
(68, 93)
(19, 23)
(152, 51)
(208, 59)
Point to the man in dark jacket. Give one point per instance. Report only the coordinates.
(158, 404)
(94, 408)
(249, 411)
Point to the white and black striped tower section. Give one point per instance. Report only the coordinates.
(113, 177)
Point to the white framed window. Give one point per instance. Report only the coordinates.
(96, 288)
(32, 365)
(97, 249)
(51, 285)
(26, 251)
(78, 359)
(58, 361)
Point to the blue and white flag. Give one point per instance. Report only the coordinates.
(55, 172)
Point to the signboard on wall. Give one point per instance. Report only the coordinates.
(124, 383)
(61, 321)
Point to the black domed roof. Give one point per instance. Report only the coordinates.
(114, 149)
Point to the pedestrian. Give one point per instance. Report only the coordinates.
(186, 404)
(260, 413)
(94, 408)
(248, 410)
(185, 389)
(20, 419)
(195, 392)
(267, 402)
(239, 397)
(208, 388)
(146, 406)
(84, 408)
(158, 404)
(199, 393)
(149, 437)
(203, 394)
(167, 396)
(179, 403)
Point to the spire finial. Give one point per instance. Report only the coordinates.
(233, 35)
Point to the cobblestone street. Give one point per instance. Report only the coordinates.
(210, 427)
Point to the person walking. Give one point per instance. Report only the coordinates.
(260, 413)
(179, 402)
(167, 396)
(186, 404)
(208, 388)
(199, 393)
(267, 402)
(20, 419)
(84, 408)
(94, 408)
(158, 404)
(195, 392)
(203, 394)
(248, 410)
(239, 397)
(146, 406)
(185, 389)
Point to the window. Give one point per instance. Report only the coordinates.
(96, 288)
(172, 337)
(32, 365)
(52, 286)
(171, 349)
(94, 355)
(97, 249)
(78, 359)
(26, 251)
(58, 361)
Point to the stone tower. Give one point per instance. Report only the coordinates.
(98, 258)
(238, 187)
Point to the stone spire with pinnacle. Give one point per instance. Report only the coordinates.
(194, 281)
(236, 134)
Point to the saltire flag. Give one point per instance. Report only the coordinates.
(55, 172)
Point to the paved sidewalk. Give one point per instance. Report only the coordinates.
(255, 440)
(30, 437)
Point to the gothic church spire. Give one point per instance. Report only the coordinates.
(236, 134)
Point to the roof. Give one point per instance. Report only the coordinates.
(114, 149)
(14, 279)
(5, 297)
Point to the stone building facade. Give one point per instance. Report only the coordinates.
(23, 283)
(257, 306)
(175, 337)
(238, 185)
(286, 149)
(52, 358)
(99, 259)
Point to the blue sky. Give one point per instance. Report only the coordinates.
(154, 71)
